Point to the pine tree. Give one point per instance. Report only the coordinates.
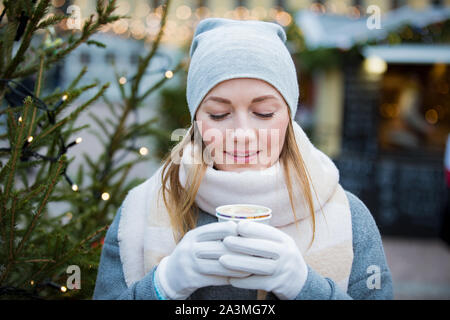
(35, 249)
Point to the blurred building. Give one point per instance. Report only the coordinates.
(384, 115)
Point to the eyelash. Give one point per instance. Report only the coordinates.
(220, 117)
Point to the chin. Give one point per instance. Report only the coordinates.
(238, 167)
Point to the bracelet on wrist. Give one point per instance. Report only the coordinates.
(158, 290)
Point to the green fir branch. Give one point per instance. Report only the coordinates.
(69, 254)
(53, 20)
(77, 79)
(16, 148)
(89, 28)
(56, 175)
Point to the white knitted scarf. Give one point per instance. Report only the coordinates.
(145, 235)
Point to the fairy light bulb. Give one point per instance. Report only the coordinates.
(20, 119)
(78, 140)
(74, 187)
(122, 80)
(169, 74)
(63, 289)
(30, 138)
(64, 97)
(105, 196)
(143, 151)
(375, 65)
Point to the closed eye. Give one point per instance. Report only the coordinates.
(222, 116)
(217, 117)
(266, 115)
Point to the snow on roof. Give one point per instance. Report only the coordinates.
(410, 53)
(337, 31)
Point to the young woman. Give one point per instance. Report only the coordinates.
(243, 147)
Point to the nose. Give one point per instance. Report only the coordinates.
(243, 133)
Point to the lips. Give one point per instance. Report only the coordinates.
(241, 154)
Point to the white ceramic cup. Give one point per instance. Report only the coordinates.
(243, 211)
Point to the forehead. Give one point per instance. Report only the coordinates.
(248, 87)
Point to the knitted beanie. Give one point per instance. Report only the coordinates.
(224, 49)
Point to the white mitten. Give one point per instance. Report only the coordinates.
(194, 261)
(272, 257)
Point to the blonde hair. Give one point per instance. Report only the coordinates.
(180, 202)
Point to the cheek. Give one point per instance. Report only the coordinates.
(275, 140)
(212, 136)
(282, 137)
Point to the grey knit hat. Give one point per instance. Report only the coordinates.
(224, 49)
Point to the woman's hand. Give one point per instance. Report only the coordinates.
(270, 255)
(194, 261)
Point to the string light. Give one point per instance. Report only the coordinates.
(143, 151)
(375, 65)
(202, 12)
(183, 12)
(259, 12)
(63, 289)
(21, 91)
(241, 13)
(120, 26)
(77, 141)
(283, 18)
(105, 196)
(168, 74)
(38, 286)
(431, 116)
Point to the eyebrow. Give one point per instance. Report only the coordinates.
(226, 101)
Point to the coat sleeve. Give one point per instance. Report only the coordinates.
(110, 283)
(370, 277)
